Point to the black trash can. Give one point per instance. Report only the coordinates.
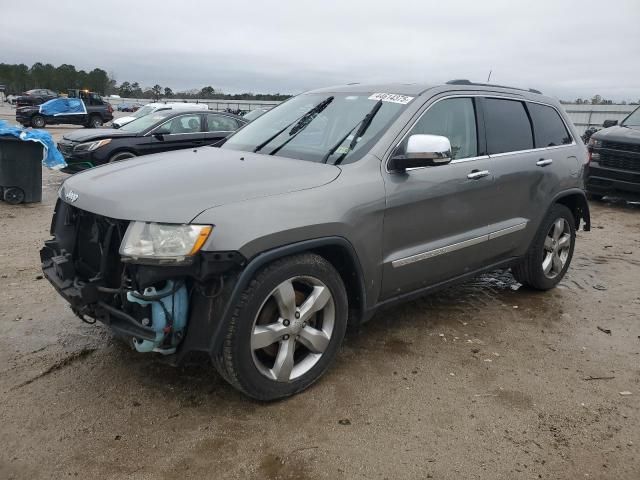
(20, 170)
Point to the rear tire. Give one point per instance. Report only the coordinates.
(38, 121)
(286, 329)
(549, 256)
(13, 195)
(95, 121)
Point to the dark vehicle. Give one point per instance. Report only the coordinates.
(614, 159)
(253, 114)
(161, 131)
(128, 107)
(35, 97)
(98, 113)
(329, 207)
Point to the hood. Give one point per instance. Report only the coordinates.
(123, 120)
(174, 187)
(618, 134)
(87, 135)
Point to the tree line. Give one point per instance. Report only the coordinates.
(18, 78)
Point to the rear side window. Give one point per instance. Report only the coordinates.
(455, 119)
(221, 123)
(507, 126)
(548, 128)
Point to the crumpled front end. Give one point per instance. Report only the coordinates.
(151, 306)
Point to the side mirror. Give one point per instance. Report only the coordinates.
(609, 123)
(422, 151)
(160, 132)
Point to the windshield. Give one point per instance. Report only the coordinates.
(325, 136)
(632, 120)
(253, 114)
(146, 110)
(141, 124)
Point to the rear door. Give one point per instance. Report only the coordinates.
(526, 143)
(182, 131)
(219, 126)
(435, 224)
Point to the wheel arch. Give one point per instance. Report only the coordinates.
(336, 250)
(123, 149)
(576, 201)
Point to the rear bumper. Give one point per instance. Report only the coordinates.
(604, 181)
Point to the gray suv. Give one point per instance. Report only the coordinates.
(260, 253)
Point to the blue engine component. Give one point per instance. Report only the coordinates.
(164, 302)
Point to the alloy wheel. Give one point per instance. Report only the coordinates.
(293, 328)
(557, 245)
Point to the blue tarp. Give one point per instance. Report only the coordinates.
(52, 158)
(63, 106)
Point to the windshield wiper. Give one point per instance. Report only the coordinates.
(298, 121)
(306, 119)
(364, 125)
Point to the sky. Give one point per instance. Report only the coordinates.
(566, 48)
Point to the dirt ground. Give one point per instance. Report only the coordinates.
(485, 380)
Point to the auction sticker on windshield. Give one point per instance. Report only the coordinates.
(391, 97)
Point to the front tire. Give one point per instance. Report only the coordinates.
(596, 197)
(121, 156)
(549, 256)
(287, 328)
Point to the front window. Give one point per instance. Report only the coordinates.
(632, 120)
(320, 127)
(143, 123)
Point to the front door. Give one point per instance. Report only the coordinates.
(183, 131)
(435, 225)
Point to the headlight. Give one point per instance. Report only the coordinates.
(163, 242)
(91, 146)
(593, 143)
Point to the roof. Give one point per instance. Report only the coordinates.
(417, 89)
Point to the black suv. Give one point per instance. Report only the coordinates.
(98, 113)
(614, 159)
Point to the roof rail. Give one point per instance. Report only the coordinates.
(464, 81)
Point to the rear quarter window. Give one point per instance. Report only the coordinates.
(548, 128)
(507, 126)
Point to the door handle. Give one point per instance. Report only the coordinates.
(543, 162)
(476, 174)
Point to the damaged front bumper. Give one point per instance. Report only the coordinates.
(163, 308)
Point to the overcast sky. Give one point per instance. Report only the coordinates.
(565, 48)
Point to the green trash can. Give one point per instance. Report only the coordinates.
(20, 170)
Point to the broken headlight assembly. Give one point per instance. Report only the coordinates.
(164, 243)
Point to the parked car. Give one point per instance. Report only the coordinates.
(161, 131)
(129, 107)
(155, 107)
(97, 113)
(11, 99)
(614, 159)
(35, 97)
(253, 114)
(327, 208)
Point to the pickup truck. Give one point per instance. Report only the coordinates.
(614, 159)
(98, 112)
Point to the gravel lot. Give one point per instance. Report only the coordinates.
(484, 380)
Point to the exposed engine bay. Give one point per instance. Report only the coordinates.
(148, 305)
